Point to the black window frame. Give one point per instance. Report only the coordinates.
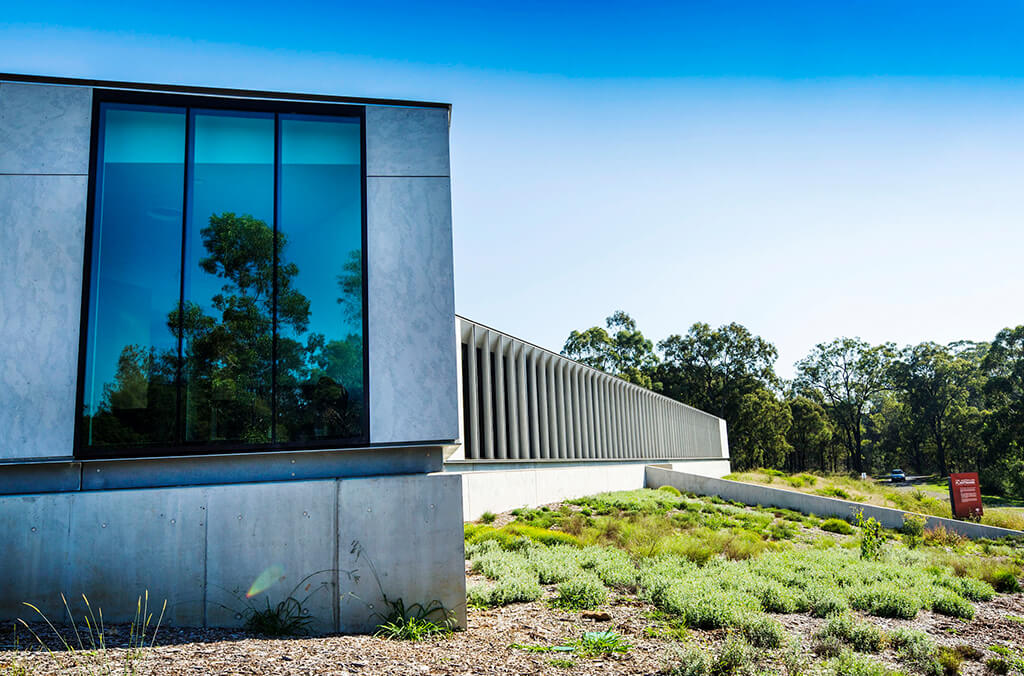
(190, 101)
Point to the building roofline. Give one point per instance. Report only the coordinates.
(217, 91)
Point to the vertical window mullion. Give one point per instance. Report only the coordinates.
(179, 384)
(273, 282)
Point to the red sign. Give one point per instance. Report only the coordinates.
(965, 495)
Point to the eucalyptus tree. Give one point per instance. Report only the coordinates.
(620, 349)
(848, 372)
(939, 383)
(809, 435)
(712, 369)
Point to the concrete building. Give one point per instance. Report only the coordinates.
(229, 353)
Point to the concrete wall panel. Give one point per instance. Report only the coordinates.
(287, 525)
(123, 543)
(42, 233)
(406, 141)
(412, 369)
(44, 129)
(400, 536)
(34, 553)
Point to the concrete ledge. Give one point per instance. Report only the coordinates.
(493, 487)
(58, 475)
(752, 494)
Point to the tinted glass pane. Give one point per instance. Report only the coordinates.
(320, 299)
(228, 332)
(131, 356)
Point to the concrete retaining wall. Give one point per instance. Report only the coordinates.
(753, 494)
(202, 547)
(498, 487)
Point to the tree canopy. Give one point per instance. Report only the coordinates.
(853, 406)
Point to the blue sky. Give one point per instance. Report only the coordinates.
(810, 170)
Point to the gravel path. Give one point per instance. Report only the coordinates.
(486, 648)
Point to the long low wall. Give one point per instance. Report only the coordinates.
(499, 487)
(753, 494)
(202, 547)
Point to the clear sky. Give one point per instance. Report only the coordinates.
(810, 169)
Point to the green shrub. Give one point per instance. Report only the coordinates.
(613, 566)
(781, 531)
(837, 526)
(827, 645)
(584, 590)
(691, 546)
(776, 598)
(867, 638)
(733, 657)
(554, 564)
(850, 664)
(478, 533)
(488, 517)
(824, 601)
(871, 537)
(744, 546)
(839, 625)
(688, 661)
(948, 603)
(950, 660)
(970, 588)
(997, 665)
(671, 490)
(832, 491)
(479, 595)
(912, 529)
(916, 649)
(541, 535)
(1005, 581)
(891, 602)
(516, 588)
(762, 631)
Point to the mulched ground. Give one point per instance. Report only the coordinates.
(485, 648)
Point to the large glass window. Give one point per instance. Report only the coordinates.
(225, 301)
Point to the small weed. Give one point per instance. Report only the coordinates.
(602, 643)
(415, 623)
(95, 636)
(670, 628)
(561, 663)
(488, 517)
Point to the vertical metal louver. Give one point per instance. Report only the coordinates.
(521, 402)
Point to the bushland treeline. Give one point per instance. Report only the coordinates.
(852, 406)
